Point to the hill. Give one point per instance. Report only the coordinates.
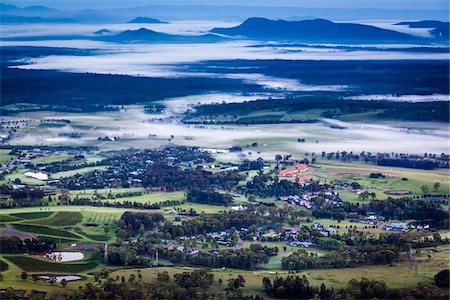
(424, 24)
(311, 30)
(150, 36)
(13, 19)
(146, 21)
(438, 29)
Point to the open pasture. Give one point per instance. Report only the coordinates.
(76, 171)
(19, 174)
(4, 156)
(402, 274)
(150, 198)
(32, 215)
(105, 192)
(62, 218)
(45, 230)
(31, 264)
(350, 172)
(51, 159)
(8, 218)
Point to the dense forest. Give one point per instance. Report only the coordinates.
(397, 77)
(82, 91)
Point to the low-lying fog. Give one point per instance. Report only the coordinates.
(137, 129)
(174, 27)
(162, 60)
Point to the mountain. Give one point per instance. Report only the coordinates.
(13, 19)
(103, 32)
(144, 35)
(29, 11)
(139, 35)
(312, 30)
(146, 21)
(439, 30)
(424, 24)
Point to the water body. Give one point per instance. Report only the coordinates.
(60, 278)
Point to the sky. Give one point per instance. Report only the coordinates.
(381, 4)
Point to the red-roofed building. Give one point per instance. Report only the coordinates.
(302, 168)
(288, 173)
(303, 179)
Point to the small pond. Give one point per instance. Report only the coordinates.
(60, 278)
(64, 256)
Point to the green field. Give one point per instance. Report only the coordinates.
(19, 174)
(349, 172)
(45, 230)
(33, 215)
(62, 218)
(31, 264)
(51, 159)
(4, 156)
(8, 218)
(77, 171)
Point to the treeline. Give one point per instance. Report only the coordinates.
(14, 245)
(366, 77)
(350, 257)
(265, 185)
(412, 111)
(406, 163)
(77, 162)
(183, 286)
(208, 197)
(300, 288)
(253, 215)
(143, 251)
(172, 178)
(407, 209)
(80, 90)
(427, 161)
(133, 222)
(404, 208)
(295, 288)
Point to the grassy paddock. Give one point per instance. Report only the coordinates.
(8, 218)
(45, 230)
(33, 215)
(31, 264)
(77, 171)
(359, 172)
(63, 218)
(51, 159)
(4, 156)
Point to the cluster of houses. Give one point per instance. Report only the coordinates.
(23, 160)
(306, 200)
(397, 227)
(371, 220)
(329, 231)
(305, 244)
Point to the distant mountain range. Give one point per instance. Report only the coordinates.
(437, 28)
(33, 11)
(145, 20)
(317, 30)
(311, 30)
(12, 19)
(220, 12)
